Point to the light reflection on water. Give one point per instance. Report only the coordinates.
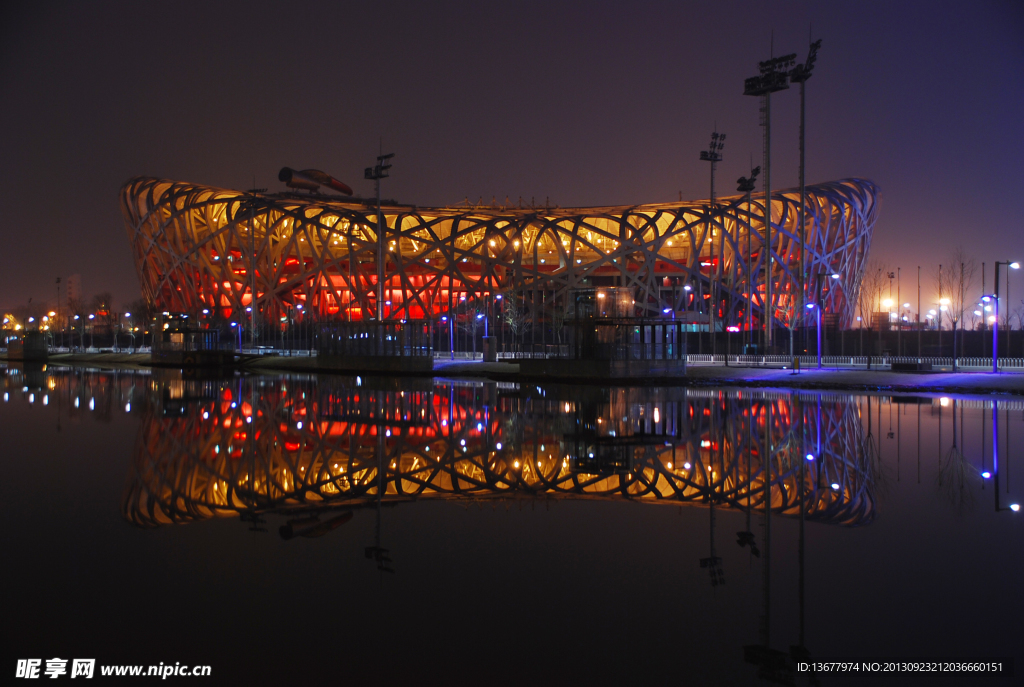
(301, 456)
(224, 446)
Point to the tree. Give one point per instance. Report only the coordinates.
(513, 315)
(954, 280)
(869, 299)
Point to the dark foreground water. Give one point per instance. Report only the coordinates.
(375, 531)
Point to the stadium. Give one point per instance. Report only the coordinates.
(216, 252)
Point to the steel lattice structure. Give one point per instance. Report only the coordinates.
(192, 249)
(289, 446)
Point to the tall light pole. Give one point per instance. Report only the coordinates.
(746, 185)
(774, 76)
(899, 318)
(800, 74)
(378, 172)
(995, 321)
(714, 155)
(251, 202)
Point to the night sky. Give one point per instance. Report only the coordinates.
(582, 103)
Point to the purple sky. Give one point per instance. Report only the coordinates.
(588, 104)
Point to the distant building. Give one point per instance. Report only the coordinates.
(316, 255)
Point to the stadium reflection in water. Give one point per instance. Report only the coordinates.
(300, 447)
(301, 456)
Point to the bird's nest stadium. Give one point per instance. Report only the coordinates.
(199, 248)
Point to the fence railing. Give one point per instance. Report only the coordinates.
(854, 361)
(395, 339)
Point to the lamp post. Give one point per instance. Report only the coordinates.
(817, 307)
(800, 74)
(131, 329)
(376, 173)
(746, 185)
(817, 318)
(774, 76)
(714, 154)
(995, 322)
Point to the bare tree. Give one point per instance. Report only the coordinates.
(869, 300)
(974, 317)
(513, 314)
(953, 477)
(954, 281)
(1018, 315)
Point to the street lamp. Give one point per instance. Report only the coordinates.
(714, 154)
(817, 318)
(131, 331)
(995, 323)
(817, 307)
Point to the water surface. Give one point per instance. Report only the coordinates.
(285, 528)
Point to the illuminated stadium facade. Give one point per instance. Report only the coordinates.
(194, 252)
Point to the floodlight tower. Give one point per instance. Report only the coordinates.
(800, 74)
(378, 172)
(714, 154)
(746, 185)
(774, 76)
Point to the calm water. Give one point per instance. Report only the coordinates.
(357, 530)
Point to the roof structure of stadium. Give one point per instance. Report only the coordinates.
(195, 247)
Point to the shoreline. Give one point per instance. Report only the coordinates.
(836, 379)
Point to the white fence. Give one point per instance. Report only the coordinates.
(853, 361)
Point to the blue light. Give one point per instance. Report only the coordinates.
(444, 319)
(810, 456)
(986, 474)
(810, 306)
(835, 485)
(1015, 507)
